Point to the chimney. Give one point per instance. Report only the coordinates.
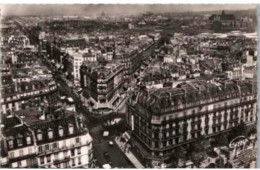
(43, 116)
(77, 121)
(4, 148)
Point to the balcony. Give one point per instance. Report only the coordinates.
(63, 148)
(65, 159)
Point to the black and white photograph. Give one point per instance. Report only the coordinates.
(112, 86)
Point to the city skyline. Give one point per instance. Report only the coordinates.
(95, 10)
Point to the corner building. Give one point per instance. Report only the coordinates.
(163, 119)
(102, 85)
(45, 139)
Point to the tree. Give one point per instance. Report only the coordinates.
(174, 159)
(177, 154)
(197, 157)
(163, 40)
(220, 163)
(221, 140)
(198, 150)
(181, 152)
(252, 131)
(240, 130)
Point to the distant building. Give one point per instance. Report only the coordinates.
(74, 43)
(161, 76)
(225, 22)
(233, 69)
(249, 72)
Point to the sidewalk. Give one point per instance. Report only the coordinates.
(129, 154)
(120, 105)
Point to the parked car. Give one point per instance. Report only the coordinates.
(111, 143)
(106, 155)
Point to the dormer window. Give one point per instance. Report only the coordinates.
(71, 129)
(61, 131)
(19, 138)
(50, 133)
(28, 140)
(20, 142)
(11, 143)
(39, 135)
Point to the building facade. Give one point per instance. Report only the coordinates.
(16, 95)
(163, 119)
(102, 84)
(35, 138)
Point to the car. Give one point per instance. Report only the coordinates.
(106, 154)
(106, 166)
(111, 143)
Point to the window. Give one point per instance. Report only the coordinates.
(72, 152)
(55, 145)
(47, 147)
(21, 152)
(71, 129)
(77, 140)
(79, 151)
(20, 142)
(64, 143)
(56, 156)
(40, 149)
(66, 165)
(28, 140)
(39, 135)
(29, 162)
(42, 160)
(65, 154)
(79, 160)
(19, 163)
(50, 133)
(11, 144)
(49, 158)
(11, 155)
(73, 162)
(30, 150)
(61, 131)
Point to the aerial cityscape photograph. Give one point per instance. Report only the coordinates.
(128, 86)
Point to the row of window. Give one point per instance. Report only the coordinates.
(215, 106)
(50, 132)
(19, 142)
(56, 157)
(31, 162)
(21, 153)
(55, 145)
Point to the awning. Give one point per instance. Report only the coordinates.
(105, 133)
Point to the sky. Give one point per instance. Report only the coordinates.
(112, 10)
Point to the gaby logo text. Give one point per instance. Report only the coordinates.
(239, 142)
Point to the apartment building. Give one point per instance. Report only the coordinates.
(102, 84)
(45, 138)
(163, 119)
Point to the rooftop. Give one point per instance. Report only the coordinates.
(102, 71)
(194, 93)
